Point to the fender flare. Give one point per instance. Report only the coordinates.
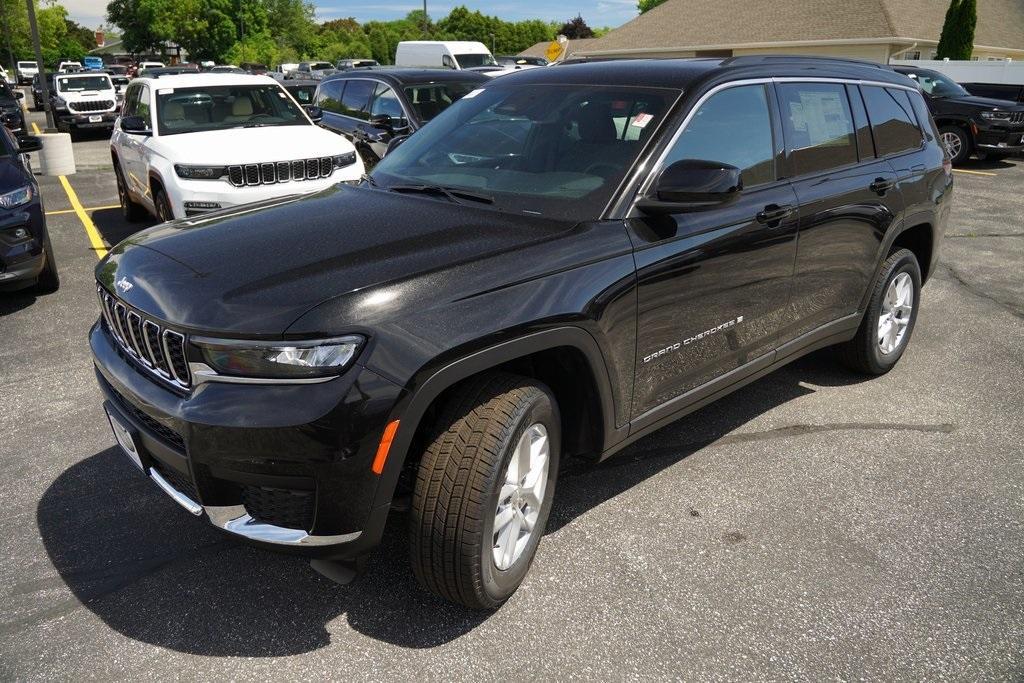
(411, 408)
(883, 249)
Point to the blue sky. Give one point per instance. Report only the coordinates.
(90, 13)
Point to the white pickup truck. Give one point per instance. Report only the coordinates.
(282, 71)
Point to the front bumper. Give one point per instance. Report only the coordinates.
(85, 120)
(245, 455)
(999, 138)
(196, 197)
(21, 259)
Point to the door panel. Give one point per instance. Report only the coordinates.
(713, 292)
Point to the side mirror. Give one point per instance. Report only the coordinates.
(394, 143)
(29, 143)
(693, 185)
(316, 114)
(19, 95)
(136, 125)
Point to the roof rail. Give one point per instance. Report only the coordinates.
(743, 60)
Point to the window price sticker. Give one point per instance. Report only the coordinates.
(642, 119)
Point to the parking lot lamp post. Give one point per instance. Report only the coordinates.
(7, 34)
(42, 67)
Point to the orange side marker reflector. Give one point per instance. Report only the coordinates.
(384, 447)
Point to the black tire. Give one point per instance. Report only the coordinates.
(132, 211)
(458, 484)
(49, 279)
(863, 353)
(164, 212)
(965, 147)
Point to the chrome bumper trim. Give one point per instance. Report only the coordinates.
(179, 497)
(235, 519)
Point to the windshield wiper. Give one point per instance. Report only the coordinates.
(454, 194)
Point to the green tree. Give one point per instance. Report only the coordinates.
(205, 28)
(576, 29)
(647, 5)
(957, 38)
(144, 24)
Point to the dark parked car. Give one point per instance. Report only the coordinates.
(26, 256)
(253, 68)
(997, 91)
(37, 90)
(558, 265)
(990, 128)
(304, 92)
(11, 115)
(373, 107)
(349, 64)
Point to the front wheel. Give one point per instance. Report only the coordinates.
(889, 321)
(484, 489)
(163, 206)
(957, 143)
(130, 210)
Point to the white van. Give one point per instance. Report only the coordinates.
(443, 54)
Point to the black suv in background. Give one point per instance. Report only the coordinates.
(999, 91)
(559, 264)
(26, 257)
(991, 128)
(372, 107)
(11, 115)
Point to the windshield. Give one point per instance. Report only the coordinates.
(469, 61)
(320, 66)
(26, 65)
(430, 99)
(937, 85)
(191, 110)
(83, 83)
(553, 150)
(303, 94)
(7, 142)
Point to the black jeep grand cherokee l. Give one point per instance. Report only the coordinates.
(562, 262)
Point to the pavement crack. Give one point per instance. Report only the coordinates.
(980, 293)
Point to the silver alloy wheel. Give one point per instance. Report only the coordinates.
(897, 306)
(521, 496)
(953, 143)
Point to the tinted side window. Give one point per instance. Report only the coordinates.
(355, 100)
(386, 103)
(142, 108)
(732, 127)
(817, 123)
(329, 96)
(131, 99)
(892, 120)
(860, 119)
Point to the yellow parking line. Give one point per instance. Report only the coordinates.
(964, 170)
(90, 228)
(89, 210)
(35, 128)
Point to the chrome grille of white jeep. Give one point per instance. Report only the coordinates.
(92, 105)
(269, 173)
(160, 350)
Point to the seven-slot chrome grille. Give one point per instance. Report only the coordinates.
(280, 171)
(159, 349)
(1017, 117)
(93, 105)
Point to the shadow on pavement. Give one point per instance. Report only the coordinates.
(14, 301)
(156, 574)
(114, 228)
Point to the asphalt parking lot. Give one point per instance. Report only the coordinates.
(812, 526)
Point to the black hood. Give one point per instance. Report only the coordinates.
(255, 269)
(985, 103)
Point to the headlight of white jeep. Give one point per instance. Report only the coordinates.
(280, 360)
(200, 172)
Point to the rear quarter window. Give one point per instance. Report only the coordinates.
(818, 126)
(893, 122)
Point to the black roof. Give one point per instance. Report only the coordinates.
(399, 77)
(681, 73)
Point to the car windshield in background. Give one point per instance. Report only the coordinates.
(430, 99)
(26, 65)
(469, 61)
(303, 94)
(83, 83)
(192, 110)
(553, 150)
(937, 85)
(320, 66)
(5, 90)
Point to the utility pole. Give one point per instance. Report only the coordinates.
(426, 19)
(50, 127)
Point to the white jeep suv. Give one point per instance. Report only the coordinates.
(192, 143)
(84, 100)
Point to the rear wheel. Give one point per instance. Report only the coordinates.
(957, 143)
(889, 321)
(484, 489)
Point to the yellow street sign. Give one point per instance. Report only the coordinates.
(554, 51)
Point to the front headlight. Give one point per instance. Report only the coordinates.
(343, 160)
(23, 195)
(280, 360)
(996, 115)
(200, 172)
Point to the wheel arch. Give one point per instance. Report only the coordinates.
(916, 234)
(566, 359)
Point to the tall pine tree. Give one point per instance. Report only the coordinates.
(957, 39)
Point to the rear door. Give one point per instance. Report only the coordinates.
(713, 285)
(847, 198)
(328, 98)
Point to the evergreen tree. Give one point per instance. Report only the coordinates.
(957, 39)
